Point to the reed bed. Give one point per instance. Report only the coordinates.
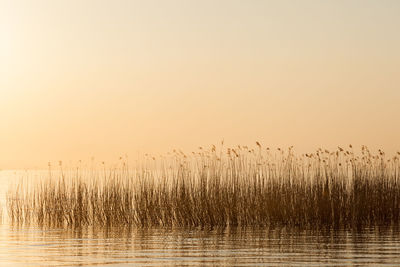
(233, 187)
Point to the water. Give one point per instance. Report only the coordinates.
(37, 246)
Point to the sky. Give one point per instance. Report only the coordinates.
(82, 79)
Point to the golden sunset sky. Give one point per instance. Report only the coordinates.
(107, 78)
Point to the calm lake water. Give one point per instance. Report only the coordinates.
(35, 246)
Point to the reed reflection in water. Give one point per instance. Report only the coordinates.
(33, 246)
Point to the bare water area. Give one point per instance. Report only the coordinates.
(30, 245)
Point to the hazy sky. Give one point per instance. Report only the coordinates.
(107, 78)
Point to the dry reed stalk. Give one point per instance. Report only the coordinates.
(210, 189)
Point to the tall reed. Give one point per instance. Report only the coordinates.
(235, 187)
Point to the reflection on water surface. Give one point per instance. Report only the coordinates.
(32, 246)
